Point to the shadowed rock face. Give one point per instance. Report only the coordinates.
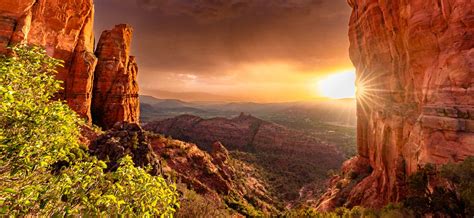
(65, 29)
(126, 139)
(115, 83)
(415, 67)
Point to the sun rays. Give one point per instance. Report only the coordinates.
(338, 85)
(371, 90)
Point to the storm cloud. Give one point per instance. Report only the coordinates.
(221, 9)
(214, 42)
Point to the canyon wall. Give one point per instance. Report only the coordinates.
(65, 29)
(415, 73)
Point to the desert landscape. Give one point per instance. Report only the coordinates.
(239, 108)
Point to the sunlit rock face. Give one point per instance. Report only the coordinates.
(65, 29)
(115, 84)
(415, 64)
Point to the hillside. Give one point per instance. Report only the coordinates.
(78, 140)
(228, 183)
(289, 159)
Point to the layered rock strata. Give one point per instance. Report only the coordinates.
(115, 84)
(65, 30)
(415, 72)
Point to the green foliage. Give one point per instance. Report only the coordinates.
(461, 177)
(394, 211)
(44, 170)
(454, 199)
(195, 205)
(242, 207)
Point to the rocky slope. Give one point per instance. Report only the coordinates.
(415, 67)
(213, 175)
(290, 158)
(65, 29)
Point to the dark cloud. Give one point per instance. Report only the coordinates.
(213, 38)
(222, 9)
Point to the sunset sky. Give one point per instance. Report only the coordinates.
(233, 50)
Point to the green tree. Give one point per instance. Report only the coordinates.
(461, 178)
(44, 169)
(453, 197)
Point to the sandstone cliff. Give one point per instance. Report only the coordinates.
(65, 30)
(115, 83)
(415, 70)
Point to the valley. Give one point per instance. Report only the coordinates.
(331, 121)
(293, 154)
(236, 108)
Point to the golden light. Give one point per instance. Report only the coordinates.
(338, 85)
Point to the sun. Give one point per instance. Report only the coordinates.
(338, 85)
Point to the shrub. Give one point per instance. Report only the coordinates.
(242, 207)
(461, 177)
(195, 205)
(44, 170)
(455, 199)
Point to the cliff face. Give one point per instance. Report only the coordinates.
(65, 29)
(415, 67)
(115, 83)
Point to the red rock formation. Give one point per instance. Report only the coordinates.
(415, 67)
(214, 175)
(219, 153)
(291, 156)
(65, 29)
(115, 84)
(14, 17)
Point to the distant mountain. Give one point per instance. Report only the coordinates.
(190, 96)
(172, 103)
(146, 99)
(290, 159)
(335, 112)
(154, 108)
(164, 103)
